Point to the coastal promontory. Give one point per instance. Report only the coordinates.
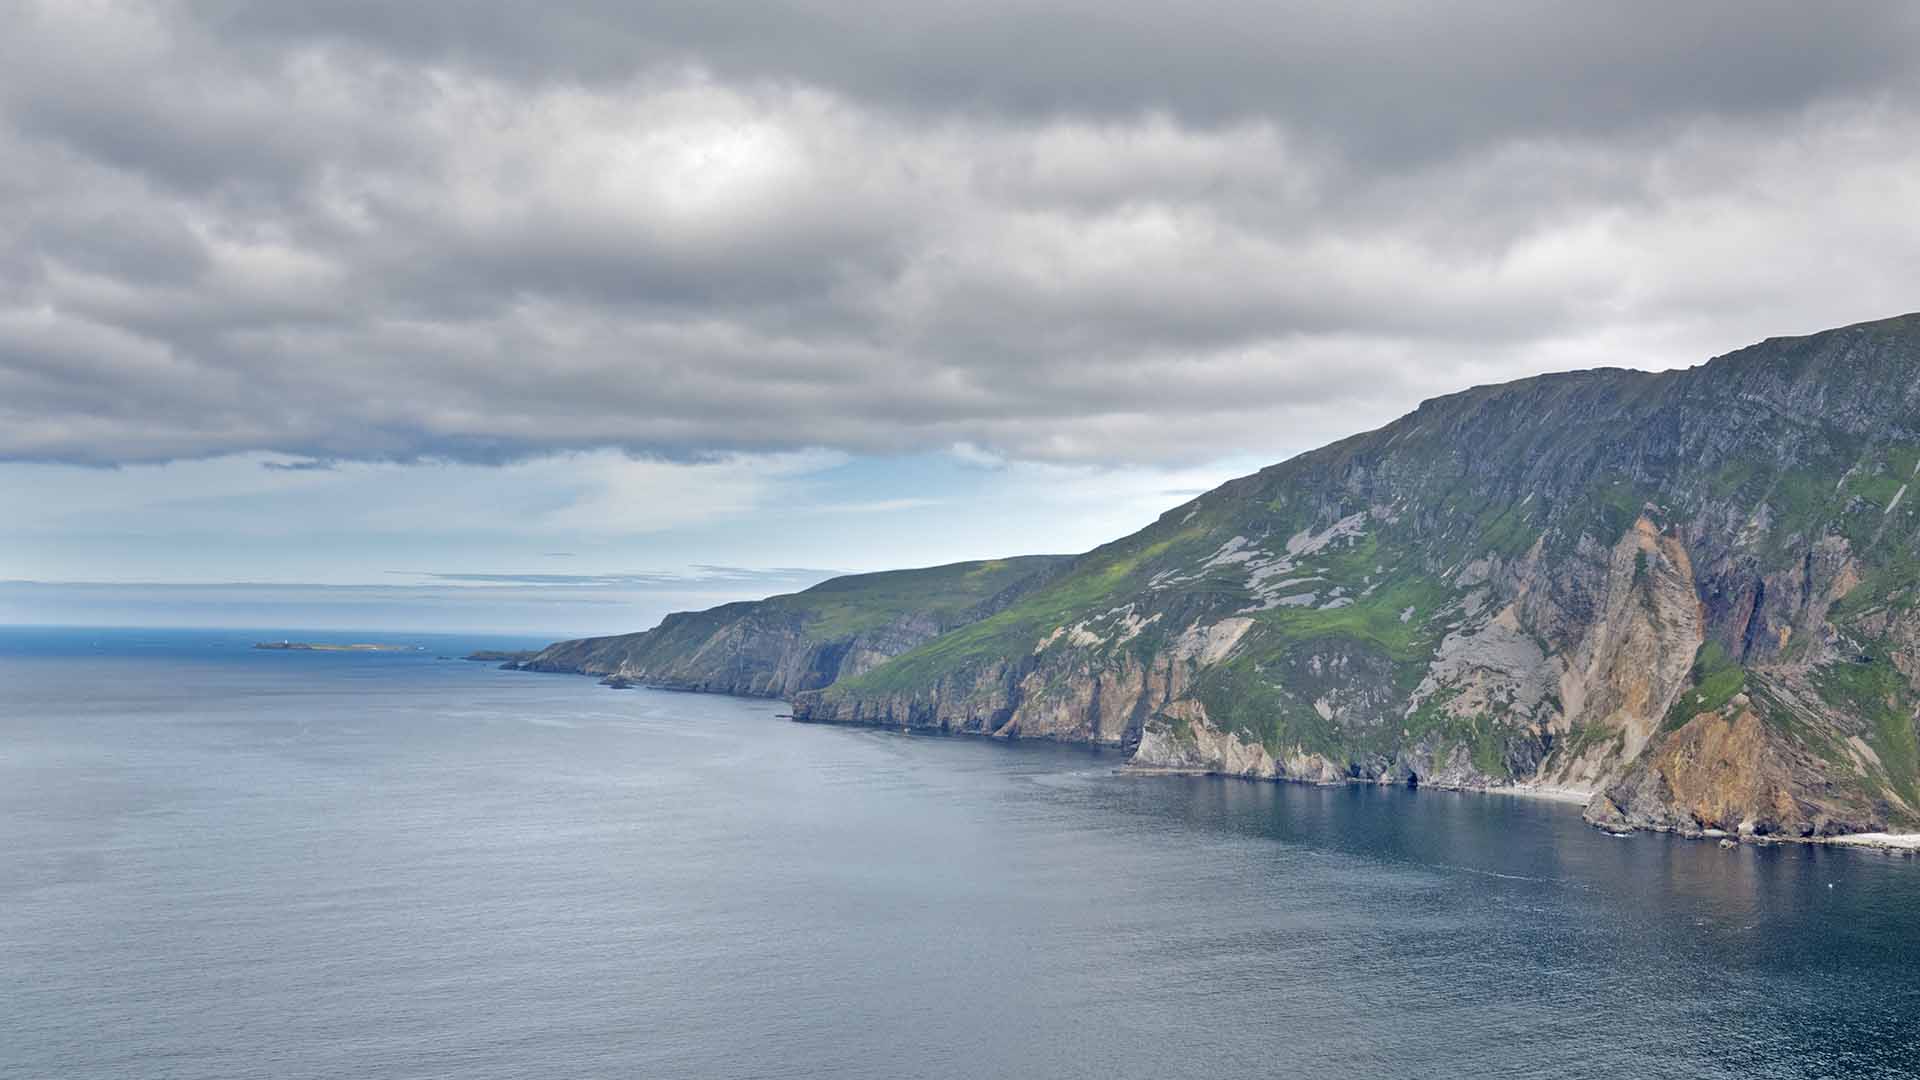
(1689, 598)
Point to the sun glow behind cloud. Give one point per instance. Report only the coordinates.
(341, 291)
(285, 230)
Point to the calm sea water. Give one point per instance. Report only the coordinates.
(216, 862)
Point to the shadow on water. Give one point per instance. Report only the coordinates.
(1788, 960)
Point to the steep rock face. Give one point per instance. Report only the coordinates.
(1633, 662)
(1693, 595)
(1190, 743)
(1730, 770)
(1561, 581)
(1046, 695)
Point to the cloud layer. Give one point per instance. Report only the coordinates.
(483, 231)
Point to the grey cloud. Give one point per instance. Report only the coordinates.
(697, 575)
(546, 613)
(1401, 75)
(481, 231)
(587, 580)
(764, 573)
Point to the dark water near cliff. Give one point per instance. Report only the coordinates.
(219, 862)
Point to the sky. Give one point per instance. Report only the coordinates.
(552, 318)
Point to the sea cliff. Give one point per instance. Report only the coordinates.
(1691, 596)
(784, 645)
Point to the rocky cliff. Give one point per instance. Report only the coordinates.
(783, 645)
(1692, 595)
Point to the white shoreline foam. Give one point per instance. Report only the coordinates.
(1555, 794)
(1884, 841)
(1891, 840)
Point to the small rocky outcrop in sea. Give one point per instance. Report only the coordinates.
(507, 659)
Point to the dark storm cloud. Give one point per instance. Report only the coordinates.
(484, 231)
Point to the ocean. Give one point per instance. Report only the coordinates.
(223, 862)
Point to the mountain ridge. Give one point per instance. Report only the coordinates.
(1690, 594)
(798, 641)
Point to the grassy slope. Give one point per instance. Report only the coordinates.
(846, 606)
(1377, 572)
(834, 610)
(1469, 464)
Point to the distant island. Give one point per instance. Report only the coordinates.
(321, 646)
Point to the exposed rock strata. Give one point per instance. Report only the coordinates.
(1694, 595)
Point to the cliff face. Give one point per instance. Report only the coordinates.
(786, 644)
(1694, 595)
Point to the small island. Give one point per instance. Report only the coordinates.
(321, 646)
(505, 656)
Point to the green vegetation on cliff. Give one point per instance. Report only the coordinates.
(1412, 600)
(1543, 581)
(1715, 679)
(807, 639)
(1870, 689)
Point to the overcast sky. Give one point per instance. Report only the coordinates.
(611, 307)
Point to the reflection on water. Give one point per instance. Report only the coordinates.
(217, 863)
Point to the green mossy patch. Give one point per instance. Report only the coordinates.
(843, 607)
(1485, 736)
(1872, 690)
(1715, 679)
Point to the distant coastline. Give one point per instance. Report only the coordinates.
(321, 646)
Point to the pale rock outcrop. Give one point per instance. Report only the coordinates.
(1634, 660)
